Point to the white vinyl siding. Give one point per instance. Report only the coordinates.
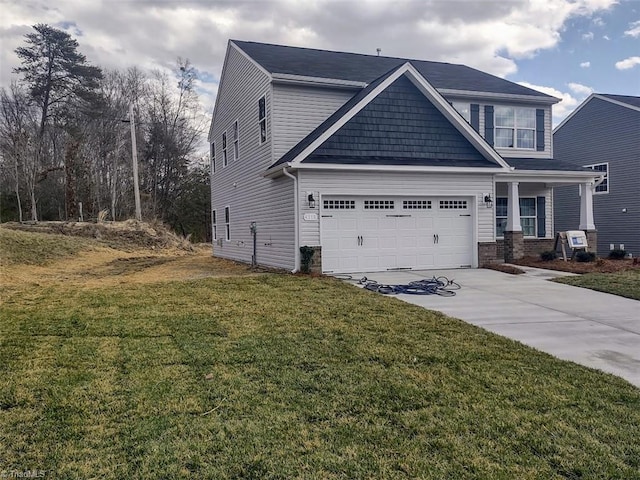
(241, 186)
(297, 110)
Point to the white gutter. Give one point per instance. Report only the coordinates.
(296, 209)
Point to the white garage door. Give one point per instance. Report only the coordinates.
(369, 234)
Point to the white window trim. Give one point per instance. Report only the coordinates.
(227, 223)
(225, 146)
(606, 177)
(535, 218)
(515, 128)
(236, 140)
(212, 156)
(260, 120)
(214, 222)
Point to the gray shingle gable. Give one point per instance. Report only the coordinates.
(367, 68)
(399, 127)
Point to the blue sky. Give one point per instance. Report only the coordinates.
(567, 48)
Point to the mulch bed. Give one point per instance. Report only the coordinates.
(601, 265)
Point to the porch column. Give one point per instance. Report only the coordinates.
(586, 207)
(513, 238)
(586, 216)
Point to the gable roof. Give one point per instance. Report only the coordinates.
(487, 156)
(625, 101)
(308, 62)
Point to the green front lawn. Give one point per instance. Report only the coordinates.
(625, 284)
(278, 376)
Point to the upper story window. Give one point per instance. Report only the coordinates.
(225, 158)
(463, 109)
(212, 156)
(236, 141)
(262, 118)
(515, 127)
(603, 168)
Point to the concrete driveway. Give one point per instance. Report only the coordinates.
(590, 328)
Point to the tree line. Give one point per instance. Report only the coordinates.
(66, 146)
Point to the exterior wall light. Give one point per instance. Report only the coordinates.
(311, 200)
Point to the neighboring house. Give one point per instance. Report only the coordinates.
(379, 163)
(603, 134)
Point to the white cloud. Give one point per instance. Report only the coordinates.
(598, 22)
(585, 64)
(634, 30)
(579, 89)
(606, 37)
(587, 36)
(628, 63)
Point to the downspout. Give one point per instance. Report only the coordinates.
(296, 224)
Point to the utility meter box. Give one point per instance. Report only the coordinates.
(577, 239)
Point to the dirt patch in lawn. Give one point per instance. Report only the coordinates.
(123, 252)
(601, 265)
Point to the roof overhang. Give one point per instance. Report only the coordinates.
(277, 170)
(285, 78)
(550, 177)
(499, 97)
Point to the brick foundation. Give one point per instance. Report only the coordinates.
(316, 261)
(487, 253)
(533, 247)
(592, 240)
(513, 246)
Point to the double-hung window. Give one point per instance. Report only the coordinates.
(214, 222)
(227, 224)
(515, 127)
(236, 141)
(225, 158)
(602, 168)
(212, 156)
(262, 119)
(528, 216)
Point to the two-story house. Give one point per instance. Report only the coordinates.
(379, 163)
(603, 134)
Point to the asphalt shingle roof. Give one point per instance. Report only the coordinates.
(367, 68)
(629, 100)
(544, 164)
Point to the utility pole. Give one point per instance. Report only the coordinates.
(134, 156)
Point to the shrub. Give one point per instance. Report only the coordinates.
(548, 256)
(305, 260)
(584, 257)
(617, 254)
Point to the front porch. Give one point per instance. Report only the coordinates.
(524, 214)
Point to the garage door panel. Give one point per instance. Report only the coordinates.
(394, 232)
